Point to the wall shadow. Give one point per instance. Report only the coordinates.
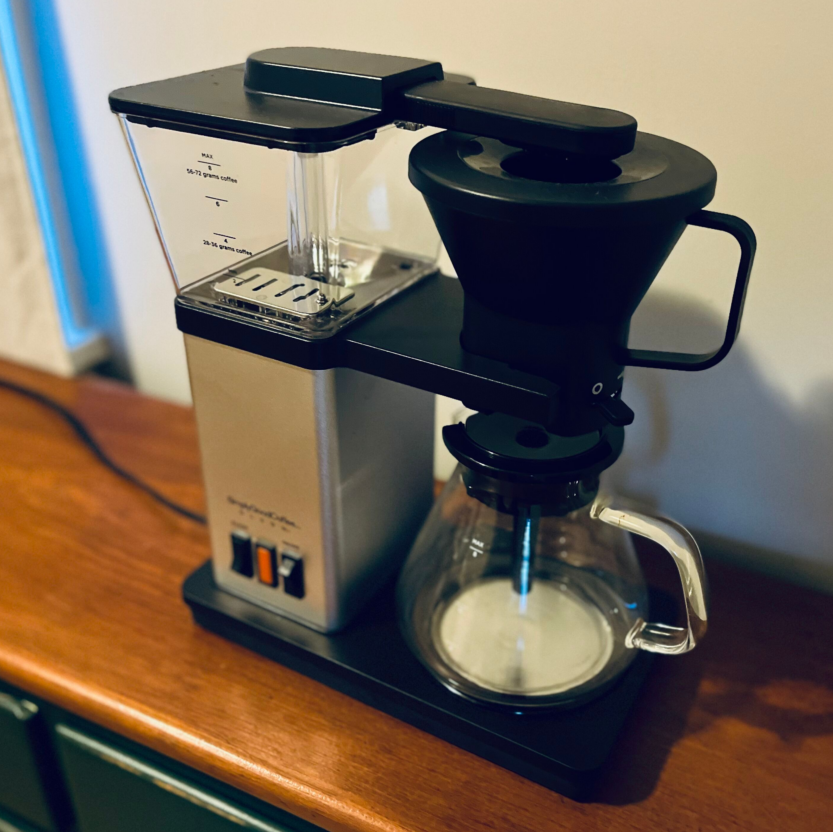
(724, 452)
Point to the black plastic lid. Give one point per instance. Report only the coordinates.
(658, 180)
(310, 99)
(216, 103)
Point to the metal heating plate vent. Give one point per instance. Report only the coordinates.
(271, 292)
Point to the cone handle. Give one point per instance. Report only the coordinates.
(741, 231)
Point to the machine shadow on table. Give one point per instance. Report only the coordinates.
(741, 673)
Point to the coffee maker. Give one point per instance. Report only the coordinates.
(317, 329)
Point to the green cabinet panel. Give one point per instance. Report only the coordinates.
(115, 792)
(28, 787)
(9, 824)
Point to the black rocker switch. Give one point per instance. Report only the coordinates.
(292, 572)
(241, 547)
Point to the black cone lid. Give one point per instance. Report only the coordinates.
(658, 181)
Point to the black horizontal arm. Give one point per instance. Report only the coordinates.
(408, 89)
(413, 338)
(518, 119)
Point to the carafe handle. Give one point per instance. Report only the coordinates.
(679, 543)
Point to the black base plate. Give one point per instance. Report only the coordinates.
(369, 660)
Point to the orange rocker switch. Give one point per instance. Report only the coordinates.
(267, 566)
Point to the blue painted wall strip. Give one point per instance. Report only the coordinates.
(38, 84)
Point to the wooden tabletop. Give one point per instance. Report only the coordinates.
(736, 735)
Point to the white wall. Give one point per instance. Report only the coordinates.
(744, 451)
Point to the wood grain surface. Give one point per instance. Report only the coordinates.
(736, 735)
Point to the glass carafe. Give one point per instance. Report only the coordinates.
(523, 610)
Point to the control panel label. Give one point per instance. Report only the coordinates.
(269, 515)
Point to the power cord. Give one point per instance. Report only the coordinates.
(86, 437)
